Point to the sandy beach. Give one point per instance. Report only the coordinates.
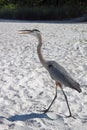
(26, 87)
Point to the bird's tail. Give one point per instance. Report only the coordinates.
(76, 86)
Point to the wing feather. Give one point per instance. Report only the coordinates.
(58, 73)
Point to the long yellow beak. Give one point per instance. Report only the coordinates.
(24, 31)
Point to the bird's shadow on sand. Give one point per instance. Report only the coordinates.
(36, 115)
(28, 117)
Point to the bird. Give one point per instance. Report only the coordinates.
(57, 72)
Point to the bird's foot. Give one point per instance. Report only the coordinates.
(45, 111)
(70, 116)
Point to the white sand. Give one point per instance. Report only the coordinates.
(26, 87)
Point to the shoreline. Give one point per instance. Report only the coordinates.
(82, 19)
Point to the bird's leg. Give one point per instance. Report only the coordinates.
(70, 114)
(46, 110)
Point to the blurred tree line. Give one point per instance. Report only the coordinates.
(42, 9)
(42, 2)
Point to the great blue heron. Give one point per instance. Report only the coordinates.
(56, 71)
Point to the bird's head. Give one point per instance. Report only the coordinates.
(33, 32)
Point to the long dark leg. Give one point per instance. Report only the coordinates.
(70, 114)
(46, 110)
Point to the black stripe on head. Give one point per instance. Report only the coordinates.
(36, 30)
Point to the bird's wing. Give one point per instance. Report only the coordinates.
(58, 73)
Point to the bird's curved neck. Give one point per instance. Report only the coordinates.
(42, 60)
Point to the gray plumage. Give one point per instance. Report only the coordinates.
(58, 73)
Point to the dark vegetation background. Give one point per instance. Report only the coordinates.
(42, 9)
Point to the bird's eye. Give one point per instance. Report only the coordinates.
(50, 66)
